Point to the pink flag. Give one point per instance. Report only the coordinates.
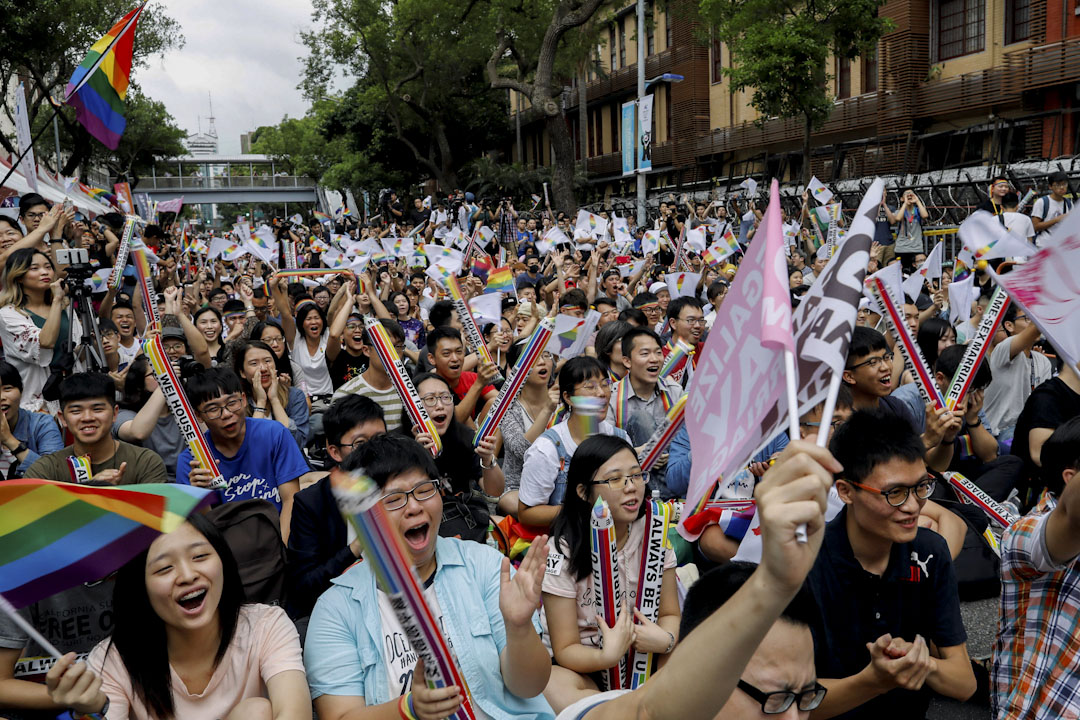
(172, 206)
(736, 386)
(1048, 289)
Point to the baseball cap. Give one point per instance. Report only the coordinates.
(610, 272)
(170, 332)
(657, 287)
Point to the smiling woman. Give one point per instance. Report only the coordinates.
(185, 645)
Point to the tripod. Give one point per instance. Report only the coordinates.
(88, 349)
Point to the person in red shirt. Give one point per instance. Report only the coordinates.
(446, 353)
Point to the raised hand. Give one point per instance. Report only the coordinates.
(519, 596)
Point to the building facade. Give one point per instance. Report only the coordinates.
(955, 83)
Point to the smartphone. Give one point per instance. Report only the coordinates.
(622, 259)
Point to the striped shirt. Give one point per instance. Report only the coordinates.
(389, 400)
(1036, 672)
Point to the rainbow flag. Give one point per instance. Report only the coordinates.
(346, 212)
(99, 194)
(322, 217)
(481, 267)
(55, 535)
(501, 280)
(99, 85)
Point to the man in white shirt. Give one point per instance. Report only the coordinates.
(1017, 370)
(1049, 209)
(1017, 223)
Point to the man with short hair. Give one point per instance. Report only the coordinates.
(24, 436)
(607, 309)
(687, 322)
(123, 315)
(613, 288)
(573, 303)
(1050, 209)
(259, 459)
(473, 391)
(816, 268)
(88, 406)
(374, 383)
(649, 304)
(891, 628)
(321, 545)
(32, 208)
(1017, 369)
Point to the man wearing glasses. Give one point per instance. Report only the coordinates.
(891, 629)
(259, 459)
(687, 320)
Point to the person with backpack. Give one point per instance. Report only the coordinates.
(185, 643)
(1049, 210)
(546, 463)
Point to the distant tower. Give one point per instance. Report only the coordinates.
(211, 131)
(204, 143)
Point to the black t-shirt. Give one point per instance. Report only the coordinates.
(915, 596)
(1050, 405)
(346, 367)
(419, 216)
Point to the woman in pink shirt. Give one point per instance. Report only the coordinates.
(185, 644)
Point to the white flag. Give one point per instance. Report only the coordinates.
(818, 191)
(486, 308)
(929, 270)
(987, 238)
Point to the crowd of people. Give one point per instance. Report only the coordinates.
(264, 607)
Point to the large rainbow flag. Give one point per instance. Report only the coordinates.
(55, 535)
(99, 85)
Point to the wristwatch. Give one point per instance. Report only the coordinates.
(19, 448)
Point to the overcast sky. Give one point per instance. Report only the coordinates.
(244, 53)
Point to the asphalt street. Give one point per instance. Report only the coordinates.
(980, 621)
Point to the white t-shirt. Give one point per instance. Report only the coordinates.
(559, 581)
(540, 467)
(1019, 225)
(1053, 208)
(128, 354)
(316, 373)
(1012, 384)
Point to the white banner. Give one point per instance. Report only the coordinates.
(27, 166)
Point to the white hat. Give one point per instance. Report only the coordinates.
(656, 287)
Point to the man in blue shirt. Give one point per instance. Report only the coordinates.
(259, 459)
(24, 436)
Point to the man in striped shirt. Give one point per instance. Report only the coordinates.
(374, 383)
(1036, 670)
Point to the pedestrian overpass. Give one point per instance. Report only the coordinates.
(212, 179)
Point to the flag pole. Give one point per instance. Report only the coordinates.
(26, 627)
(793, 420)
(34, 139)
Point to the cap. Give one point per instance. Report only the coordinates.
(509, 302)
(611, 271)
(657, 287)
(173, 332)
(469, 196)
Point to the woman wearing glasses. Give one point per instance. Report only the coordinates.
(582, 644)
(360, 662)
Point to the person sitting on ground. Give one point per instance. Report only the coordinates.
(24, 436)
(321, 544)
(360, 662)
(88, 407)
(527, 418)
(269, 394)
(144, 418)
(891, 629)
(472, 390)
(1051, 404)
(374, 383)
(1018, 369)
(185, 644)
(258, 458)
(582, 644)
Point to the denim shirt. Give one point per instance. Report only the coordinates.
(40, 433)
(344, 647)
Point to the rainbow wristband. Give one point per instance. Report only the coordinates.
(405, 707)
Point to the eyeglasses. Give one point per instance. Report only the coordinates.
(873, 362)
(213, 412)
(837, 422)
(274, 340)
(437, 399)
(774, 703)
(694, 320)
(34, 216)
(619, 481)
(899, 495)
(353, 445)
(351, 327)
(594, 386)
(398, 500)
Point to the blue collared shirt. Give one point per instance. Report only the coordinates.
(344, 648)
(40, 433)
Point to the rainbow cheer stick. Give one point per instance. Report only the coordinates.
(146, 286)
(182, 411)
(117, 274)
(383, 549)
(607, 584)
(972, 494)
(658, 443)
(290, 254)
(472, 333)
(678, 352)
(588, 410)
(80, 469)
(534, 348)
(313, 272)
(913, 357)
(384, 348)
(650, 578)
(977, 348)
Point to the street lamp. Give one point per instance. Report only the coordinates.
(643, 85)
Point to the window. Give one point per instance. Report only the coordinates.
(843, 78)
(961, 27)
(717, 61)
(869, 72)
(667, 28)
(622, 43)
(596, 136)
(615, 114)
(1017, 20)
(650, 31)
(612, 48)
(667, 112)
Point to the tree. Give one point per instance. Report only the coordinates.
(531, 57)
(43, 43)
(781, 50)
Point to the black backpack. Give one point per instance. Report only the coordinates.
(252, 528)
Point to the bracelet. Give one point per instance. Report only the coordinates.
(975, 424)
(99, 715)
(488, 467)
(405, 707)
(671, 644)
(258, 409)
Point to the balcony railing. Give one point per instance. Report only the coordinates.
(221, 182)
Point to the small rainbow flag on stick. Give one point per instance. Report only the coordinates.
(99, 85)
(55, 535)
(501, 280)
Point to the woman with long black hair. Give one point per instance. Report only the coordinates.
(267, 389)
(185, 644)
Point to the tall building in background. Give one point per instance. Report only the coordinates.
(245, 142)
(204, 143)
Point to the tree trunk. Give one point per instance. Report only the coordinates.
(562, 171)
(808, 125)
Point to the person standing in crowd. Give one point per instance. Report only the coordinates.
(24, 435)
(909, 219)
(88, 408)
(1050, 209)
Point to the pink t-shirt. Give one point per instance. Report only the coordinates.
(559, 581)
(265, 643)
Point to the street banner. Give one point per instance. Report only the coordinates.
(629, 113)
(644, 134)
(27, 166)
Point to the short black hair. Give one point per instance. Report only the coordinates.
(634, 316)
(441, 333)
(9, 375)
(644, 298)
(210, 384)
(233, 306)
(716, 289)
(719, 585)
(215, 292)
(1060, 452)
(864, 341)
(440, 313)
(949, 360)
(573, 298)
(384, 457)
(872, 437)
(604, 300)
(676, 305)
(347, 413)
(1011, 311)
(30, 200)
(633, 334)
(607, 336)
(105, 325)
(121, 305)
(87, 386)
(393, 329)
